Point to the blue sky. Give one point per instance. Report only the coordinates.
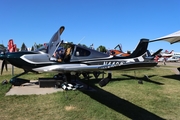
(101, 22)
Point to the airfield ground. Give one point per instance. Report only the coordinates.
(32, 88)
(123, 98)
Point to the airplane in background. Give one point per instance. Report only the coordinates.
(77, 59)
(170, 59)
(117, 51)
(176, 54)
(171, 38)
(166, 54)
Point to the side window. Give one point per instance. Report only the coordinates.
(80, 52)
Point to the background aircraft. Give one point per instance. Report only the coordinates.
(171, 38)
(167, 53)
(77, 59)
(117, 51)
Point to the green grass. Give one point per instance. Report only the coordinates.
(122, 99)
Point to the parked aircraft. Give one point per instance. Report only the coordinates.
(77, 59)
(170, 59)
(117, 51)
(171, 38)
(167, 54)
(176, 54)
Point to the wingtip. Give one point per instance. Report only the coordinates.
(61, 29)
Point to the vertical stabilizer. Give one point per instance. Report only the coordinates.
(55, 41)
(141, 48)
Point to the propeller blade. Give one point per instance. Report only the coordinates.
(2, 67)
(4, 63)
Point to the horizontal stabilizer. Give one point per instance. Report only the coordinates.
(157, 52)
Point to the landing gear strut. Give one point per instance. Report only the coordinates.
(19, 81)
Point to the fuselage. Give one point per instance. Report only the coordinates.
(26, 60)
(78, 58)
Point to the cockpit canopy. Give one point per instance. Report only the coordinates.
(80, 53)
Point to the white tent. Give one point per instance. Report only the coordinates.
(171, 38)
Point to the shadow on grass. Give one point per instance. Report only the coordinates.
(175, 77)
(145, 78)
(128, 77)
(120, 105)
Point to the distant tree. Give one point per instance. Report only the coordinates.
(82, 45)
(2, 46)
(23, 47)
(102, 49)
(17, 49)
(70, 42)
(32, 48)
(39, 45)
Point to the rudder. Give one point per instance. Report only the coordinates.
(141, 48)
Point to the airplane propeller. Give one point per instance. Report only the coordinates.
(4, 62)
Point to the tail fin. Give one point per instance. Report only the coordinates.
(148, 55)
(171, 52)
(141, 48)
(157, 52)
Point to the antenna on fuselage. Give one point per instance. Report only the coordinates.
(81, 40)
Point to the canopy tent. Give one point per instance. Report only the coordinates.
(171, 38)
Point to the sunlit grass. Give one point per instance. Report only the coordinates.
(123, 98)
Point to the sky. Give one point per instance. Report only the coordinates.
(98, 22)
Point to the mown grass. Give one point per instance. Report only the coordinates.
(122, 99)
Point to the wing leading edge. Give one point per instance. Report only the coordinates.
(72, 68)
(171, 38)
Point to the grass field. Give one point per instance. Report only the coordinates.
(122, 99)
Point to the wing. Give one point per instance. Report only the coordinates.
(72, 68)
(55, 41)
(171, 38)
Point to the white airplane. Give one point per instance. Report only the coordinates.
(167, 54)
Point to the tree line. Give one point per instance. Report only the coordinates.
(23, 47)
